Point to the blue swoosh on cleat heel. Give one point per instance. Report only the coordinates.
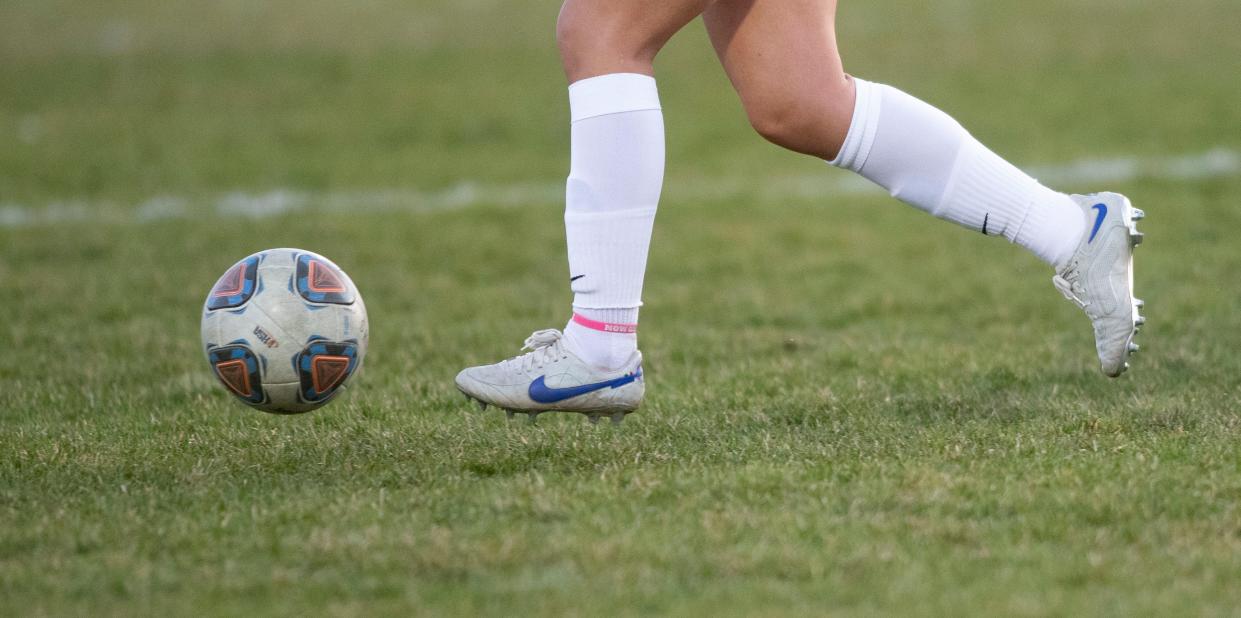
(1098, 221)
(541, 393)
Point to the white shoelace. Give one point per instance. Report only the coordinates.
(1070, 284)
(545, 346)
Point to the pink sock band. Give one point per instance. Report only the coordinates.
(604, 326)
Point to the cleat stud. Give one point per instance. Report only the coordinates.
(1139, 303)
(532, 417)
(1141, 321)
(1133, 347)
(482, 405)
(509, 414)
(618, 418)
(1137, 237)
(1138, 214)
(594, 419)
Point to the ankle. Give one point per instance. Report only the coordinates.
(606, 345)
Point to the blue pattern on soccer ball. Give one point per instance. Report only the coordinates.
(304, 364)
(237, 285)
(235, 351)
(337, 293)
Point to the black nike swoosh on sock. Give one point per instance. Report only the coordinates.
(984, 223)
(572, 279)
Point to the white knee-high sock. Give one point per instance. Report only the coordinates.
(925, 158)
(615, 180)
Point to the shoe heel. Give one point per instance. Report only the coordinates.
(1132, 216)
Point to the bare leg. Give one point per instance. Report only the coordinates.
(611, 197)
(600, 37)
(782, 59)
(617, 165)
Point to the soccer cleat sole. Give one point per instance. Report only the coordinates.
(1131, 217)
(482, 405)
(617, 418)
(594, 417)
(532, 416)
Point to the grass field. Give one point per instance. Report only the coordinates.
(852, 408)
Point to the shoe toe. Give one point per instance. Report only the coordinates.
(472, 380)
(1114, 350)
(1114, 369)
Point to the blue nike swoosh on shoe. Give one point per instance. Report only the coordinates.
(541, 393)
(1098, 221)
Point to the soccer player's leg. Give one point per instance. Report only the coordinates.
(616, 175)
(782, 58)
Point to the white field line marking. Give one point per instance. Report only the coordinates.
(1215, 163)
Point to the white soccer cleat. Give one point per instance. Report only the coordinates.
(550, 377)
(1099, 278)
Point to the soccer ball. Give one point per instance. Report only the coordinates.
(284, 330)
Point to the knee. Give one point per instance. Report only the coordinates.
(783, 123)
(814, 124)
(571, 36)
(593, 44)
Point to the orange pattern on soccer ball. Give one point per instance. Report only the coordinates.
(237, 285)
(232, 283)
(320, 281)
(235, 375)
(327, 372)
(324, 280)
(324, 366)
